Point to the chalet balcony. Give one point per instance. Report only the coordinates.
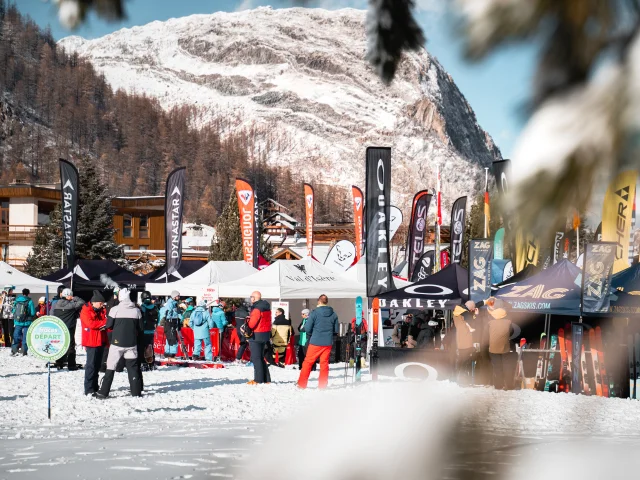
(18, 232)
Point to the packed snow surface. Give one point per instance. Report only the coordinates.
(198, 422)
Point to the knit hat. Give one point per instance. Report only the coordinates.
(189, 301)
(67, 292)
(41, 300)
(124, 295)
(97, 297)
(306, 310)
(175, 293)
(202, 303)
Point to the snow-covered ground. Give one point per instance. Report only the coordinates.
(201, 423)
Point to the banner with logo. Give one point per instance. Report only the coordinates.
(417, 229)
(498, 244)
(442, 290)
(480, 256)
(458, 223)
(173, 207)
(558, 247)
(445, 259)
(616, 216)
(378, 216)
(527, 250)
(424, 267)
(596, 278)
(395, 220)
(341, 256)
(247, 210)
(308, 207)
(358, 225)
(69, 181)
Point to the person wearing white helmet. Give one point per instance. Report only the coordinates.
(41, 308)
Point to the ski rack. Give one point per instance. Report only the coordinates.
(520, 367)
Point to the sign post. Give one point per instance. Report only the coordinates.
(48, 339)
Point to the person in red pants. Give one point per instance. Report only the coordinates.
(320, 328)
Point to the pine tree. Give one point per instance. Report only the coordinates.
(227, 243)
(46, 255)
(95, 217)
(94, 239)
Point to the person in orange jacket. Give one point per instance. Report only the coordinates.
(93, 317)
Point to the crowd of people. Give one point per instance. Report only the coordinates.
(118, 334)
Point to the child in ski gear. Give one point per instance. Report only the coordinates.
(201, 323)
(303, 344)
(41, 309)
(93, 318)
(321, 327)
(218, 316)
(150, 322)
(170, 320)
(23, 315)
(6, 307)
(186, 314)
(125, 319)
(281, 332)
(260, 322)
(499, 346)
(67, 309)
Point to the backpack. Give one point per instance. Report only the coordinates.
(149, 318)
(21, 311)
(196, 318)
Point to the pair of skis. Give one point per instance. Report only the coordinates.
(357, 348)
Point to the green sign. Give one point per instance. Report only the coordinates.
(48, 338)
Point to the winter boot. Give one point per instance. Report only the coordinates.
(105, 386)
(135, 377)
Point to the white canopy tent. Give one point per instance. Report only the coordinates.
(294, 279)
(212, 273)
(14, 277)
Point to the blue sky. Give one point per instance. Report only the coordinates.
(497, 88)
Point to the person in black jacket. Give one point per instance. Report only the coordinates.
(125, 319)
(241, 315)
(68, 309)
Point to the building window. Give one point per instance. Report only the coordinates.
(143, 248)
(126, 248)
(127, 223)
(44, 211)
(144, 226)
(4, 211)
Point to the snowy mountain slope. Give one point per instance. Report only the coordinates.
(297, 79)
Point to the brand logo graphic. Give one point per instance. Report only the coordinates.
(536, 291)
(420, 224)
(602, 248)
(301, 267)
(457, 228)
(358, 202)
(623, 193)
(432, 372)
(68, 185)
(432, 290)
(342, 256)
(245, 196)
(309, 200)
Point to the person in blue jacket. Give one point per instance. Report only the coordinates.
(170, 319)
(218, 315)
(201, 322)
(24, 312)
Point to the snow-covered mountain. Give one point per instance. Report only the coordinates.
(298, 81)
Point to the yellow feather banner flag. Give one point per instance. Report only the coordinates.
(616, 216)
(527, 250)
